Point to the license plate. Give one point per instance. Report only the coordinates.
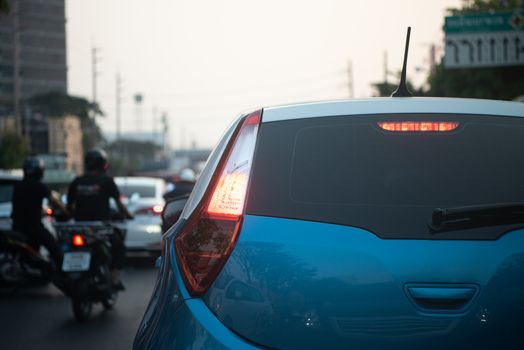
(77, 261)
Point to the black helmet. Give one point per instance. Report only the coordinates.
(33, 168)
(96, 160)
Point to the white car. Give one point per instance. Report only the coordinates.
(7, 183)
(143, 198)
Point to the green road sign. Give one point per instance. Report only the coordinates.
(485, 39)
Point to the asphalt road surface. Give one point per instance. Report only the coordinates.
(41, 318)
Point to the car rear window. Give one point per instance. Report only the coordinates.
(350, 171)
(145, 191)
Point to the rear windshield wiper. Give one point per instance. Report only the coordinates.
(456, 218)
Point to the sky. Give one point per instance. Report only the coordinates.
(202, 62)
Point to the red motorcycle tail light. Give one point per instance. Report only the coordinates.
(78, 240)
(210, 234)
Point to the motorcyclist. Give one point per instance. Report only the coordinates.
(28, 195)
(88, 200)
(184, 186)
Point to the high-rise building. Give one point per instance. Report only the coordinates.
(32, 42)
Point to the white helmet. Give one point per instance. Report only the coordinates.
(187, 175)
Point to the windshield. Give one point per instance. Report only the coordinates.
(350, 171)
(144, 191)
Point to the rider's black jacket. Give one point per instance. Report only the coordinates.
(27, 204)
(90, 195)
(27, 215)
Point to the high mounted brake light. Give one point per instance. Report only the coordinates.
(424, 126)
(209, 236)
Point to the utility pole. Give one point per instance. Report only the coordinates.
(16, 68)
(432, 58)
(165, 129)
(386, 68)
(95, 58)
(153, 124)
(118, 104)
(350, 79)
(182, 137)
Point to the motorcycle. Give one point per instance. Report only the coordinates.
(20, 263)
(85, 268)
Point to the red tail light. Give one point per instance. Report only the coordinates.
(419, 126)
(210, 234)
(78, 240)
(49, 212)
(154, 210)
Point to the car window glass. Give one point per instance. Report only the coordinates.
(346, 170)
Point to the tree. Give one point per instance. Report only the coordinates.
(487, 6)
(502, 83)
(60, 104)
(4, 7)
(385, 88)
(57, 103)
(13, 149)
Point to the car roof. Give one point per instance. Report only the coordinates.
(10, 178)
(131, 180)
(387, 105)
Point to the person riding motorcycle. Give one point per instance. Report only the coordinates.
(28, 195)
(88, 200)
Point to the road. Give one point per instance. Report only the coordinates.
(41, 318)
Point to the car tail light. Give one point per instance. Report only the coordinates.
(423, 126)
(49, 212)
(154, 210)
(207, 239)
(78, 240)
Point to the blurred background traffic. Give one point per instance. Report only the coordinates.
(156, 83)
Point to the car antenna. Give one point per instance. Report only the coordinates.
(402, 90)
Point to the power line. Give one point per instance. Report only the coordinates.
(350, 80)
(118, 104)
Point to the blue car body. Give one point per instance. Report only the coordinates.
(292, 283)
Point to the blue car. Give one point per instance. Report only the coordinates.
(393, 223)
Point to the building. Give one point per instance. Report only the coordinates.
(7, 124)
(32, 39)
(65, 137)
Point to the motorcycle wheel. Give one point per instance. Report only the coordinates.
(82, 308)
(11, 273)
(110, 301)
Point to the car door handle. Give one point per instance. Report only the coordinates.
(444, 298)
